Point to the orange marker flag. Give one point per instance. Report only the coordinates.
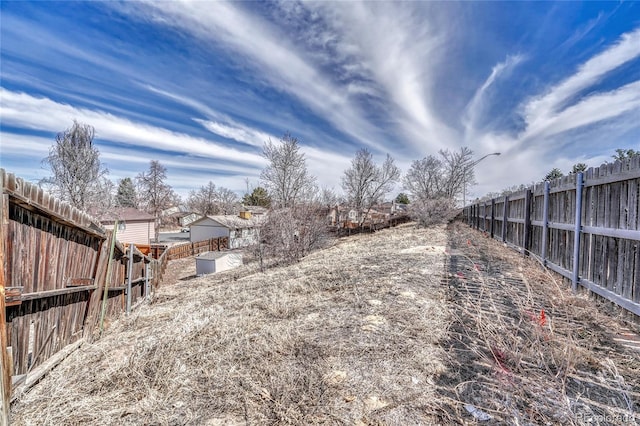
(543, 318)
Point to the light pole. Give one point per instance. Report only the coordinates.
(464, 177)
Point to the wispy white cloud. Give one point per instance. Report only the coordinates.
(540, 110)
(476, 107)
(185, 172)
(560, 125)
(43, 114)
(582, 32)
(279, 61)
(184, 100)
(385, 75)
(236, 132)
(327, 165)
(589, 111)
(395, 49)
(20, 144)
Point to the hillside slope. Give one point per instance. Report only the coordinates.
(348, 335)
(402, 327)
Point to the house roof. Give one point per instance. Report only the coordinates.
(127, 214)
(255, 209)
(232, 221)
(183, 214)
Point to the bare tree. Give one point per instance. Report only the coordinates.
(328, 197)
(457, 171)
(204, 200)
(444, 177)
(209, 200)
(155, 194)
(106, 200)
(75, 163)
(436, 182)
(286, 177)
(365, 183)
(228, 201)
(424, 178)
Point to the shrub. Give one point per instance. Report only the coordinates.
(288, 234)
(432, 211)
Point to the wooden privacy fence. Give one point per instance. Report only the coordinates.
(585, 227)
(180, 251)
(54, 261)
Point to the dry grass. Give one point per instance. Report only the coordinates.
(525, 350)
(405, 326)
(350, 335)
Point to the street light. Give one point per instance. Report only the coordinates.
(464, 177)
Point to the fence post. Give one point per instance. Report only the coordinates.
(476, 215)
(576, 233)
(129, 276)
(484, 216)
(505, 218)
(107, 279)
(5, 380)
(527, 222)
(545, 223)
(147, 296)
(493, 215)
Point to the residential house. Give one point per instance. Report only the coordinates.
(135, 226)
(242, 232)
(185, 219)
(255, 210)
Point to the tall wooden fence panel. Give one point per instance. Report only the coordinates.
(586, 227)
(54, 271)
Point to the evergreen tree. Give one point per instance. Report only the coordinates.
(402, 198)
(126, 195)
(555, 173)
(258, 197)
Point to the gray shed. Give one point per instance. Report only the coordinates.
(214, 261)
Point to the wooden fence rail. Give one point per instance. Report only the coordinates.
(188, 249)
(53, 273)
(585, 227)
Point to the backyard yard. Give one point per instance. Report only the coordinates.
(404, 326)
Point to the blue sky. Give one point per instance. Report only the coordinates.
(200, 86)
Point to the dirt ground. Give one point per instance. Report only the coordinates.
(405, 326)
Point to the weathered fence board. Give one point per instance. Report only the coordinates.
(5, 361)
(53, 260)
(585, 227)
